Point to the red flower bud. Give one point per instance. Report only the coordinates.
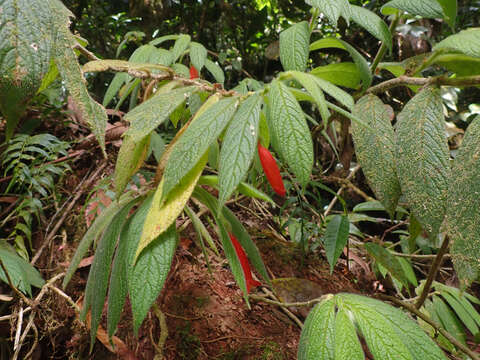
(193, 72)
(247, 272)
(271, 170)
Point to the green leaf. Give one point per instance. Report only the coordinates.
(347, 345)
(387, 260)
(181, 70)
(449, 320)
(429, 9)
(22, 274)
(287, 124)
(164, 38)
(461, 312)
(165, 210)
(373, 24)
(408, 270)
(97, 283)
(332, 9)
(181, 44)
(239, 146)
(358, 59)
(309, 82)
(91, 111)
(294, 46)
(198, 55)
(196, 140)
(375, 149)
(344, 74)
(129, 160)
(317, 340)
(463, 223)
(149, 115)
(466, 42)
(449, 12)
(418, 343)
(145, 279)
(341, 96)
(336, 238)
(93, 232)
(26, 44)
(460, 64)
(423, 159)
(215, 70)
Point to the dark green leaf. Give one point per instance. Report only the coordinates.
(449, 320)
(375, 149)
(336, 238)
(423, 159)
(373, 24)
(387, 260)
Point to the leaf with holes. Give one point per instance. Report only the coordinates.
(423, 158)
(196, 140)
(239, 146)
(287, 124)
(375, 149)
(294, 46)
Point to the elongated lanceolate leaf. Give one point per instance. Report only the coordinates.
(359, 60)
(423, 158)
(294, 46)
(195, 141)
(373, 24)
(333, 9)
(290, 129)
(462, 218)
(145, 279)
(181, 44)
(164, 211)
(27, 36)
(336, 238)
(97, 283)
(343, 74)
(239, 146)
(318, 334)
(426, 8)
(388, 261)
(198, 54)
(375, 149)
(215, 70)
(466, 42)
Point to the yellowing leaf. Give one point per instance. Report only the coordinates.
(163, 212)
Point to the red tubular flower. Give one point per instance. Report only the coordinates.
(247, 272)
(271, 170)
(193, 72)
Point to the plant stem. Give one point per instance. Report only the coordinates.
(383, 47)
(433, 272)
(432, 323)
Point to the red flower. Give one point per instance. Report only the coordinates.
(193, 72)
(247, 272)
(271, 170)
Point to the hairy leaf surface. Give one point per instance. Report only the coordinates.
(375, 149)
(333, 9)
(294, 46)
(466, 42)
(336, 238)
(423, 159)
(373, 24)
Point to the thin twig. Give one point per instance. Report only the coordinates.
(436, 80)
(24, 335)
(339, 192)
(283, 304)
(87, 53)
(433, 272)
(437, 327)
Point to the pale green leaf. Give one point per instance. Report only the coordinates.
(317, 340)
(198, 55)
(358, 59)
(181, 44)
(430, 9)
(466, 42)
(336, 238)
(423, 159)
(215, 70)
(463, 223)
(165, 210)
(375, 149)
(196, 140)
(344, 74)
(461, 312)
(289, 127)
(373, 24)
(341, 96)
(115, 85)
(239, 146)
(347, 345)
(294, 46)
(449, 320)
(181, 70)
(388, 261)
